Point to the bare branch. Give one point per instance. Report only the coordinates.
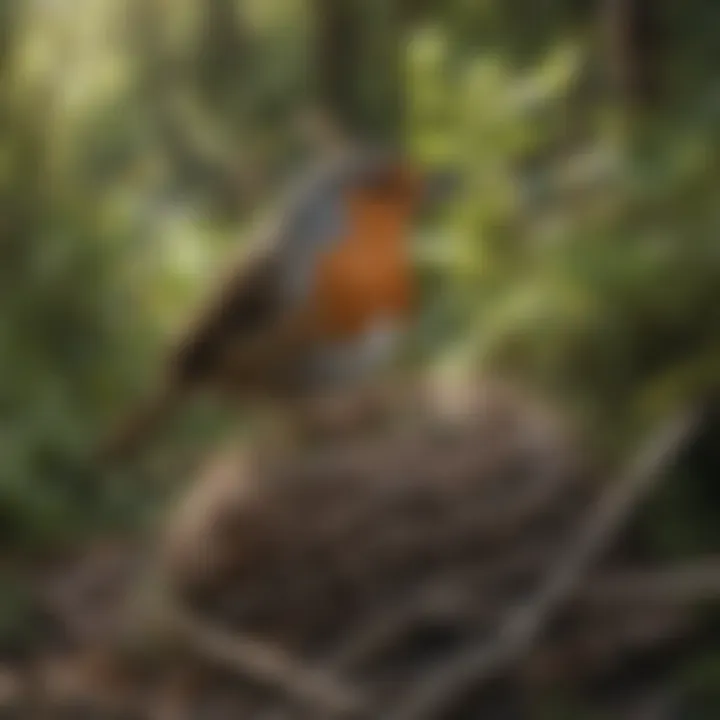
(698, 581)
(258, 662)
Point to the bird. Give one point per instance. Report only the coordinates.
(315, 305)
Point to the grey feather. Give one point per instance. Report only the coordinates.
(314, 217)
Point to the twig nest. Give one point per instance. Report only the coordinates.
(308, 545)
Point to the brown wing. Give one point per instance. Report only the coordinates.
(247, 302)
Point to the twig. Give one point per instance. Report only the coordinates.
(385, 631)
(483, 660)
(258, 662)
(449, 595)
(694, 582)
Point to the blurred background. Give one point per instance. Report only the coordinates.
(140, 138)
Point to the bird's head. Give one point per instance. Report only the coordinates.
(388, 178)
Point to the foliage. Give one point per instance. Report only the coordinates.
(582, 255)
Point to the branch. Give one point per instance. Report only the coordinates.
(687, 583)
(483, 660)
(258, 662)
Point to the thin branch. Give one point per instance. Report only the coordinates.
(258, 662)
(483, 660)
(452, 595)
(694, 582)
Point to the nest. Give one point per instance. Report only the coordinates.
(410, 574)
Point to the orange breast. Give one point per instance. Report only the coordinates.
(366, 275)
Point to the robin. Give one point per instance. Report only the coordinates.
(316, 305)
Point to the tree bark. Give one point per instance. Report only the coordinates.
(633, 50)
(358, 66)
(222, 53)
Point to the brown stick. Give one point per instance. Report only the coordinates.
(482, 660)
(694, 582)
(263, 664)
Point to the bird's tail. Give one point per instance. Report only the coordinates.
(139, 425)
